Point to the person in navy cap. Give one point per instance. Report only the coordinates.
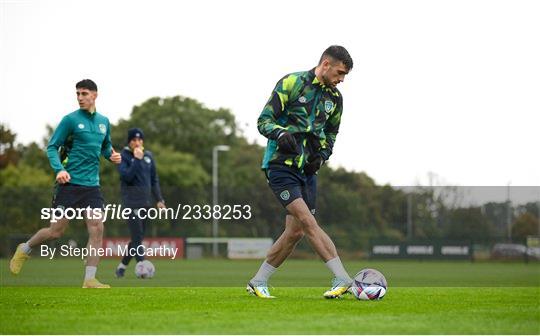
(139, 187)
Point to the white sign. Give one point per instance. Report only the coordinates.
(248, 248)
(386, 249)
(454, 250)
(420, 249)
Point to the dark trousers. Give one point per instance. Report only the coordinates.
(137, 228)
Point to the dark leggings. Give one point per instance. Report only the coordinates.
(137, 228)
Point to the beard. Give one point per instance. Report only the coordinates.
(328, 82)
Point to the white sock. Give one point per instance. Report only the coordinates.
(265, 271)
(26, 248)
(337, 268)
(90, 272)
(120, 265)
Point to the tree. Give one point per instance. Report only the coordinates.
(525, 225)
(8, 152)
(24, 191)
(182, 123)
(35, 156)
(497, 214)
(24, 176)
(469, 224)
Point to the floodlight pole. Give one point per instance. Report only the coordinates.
(215, 177)
(508, 214)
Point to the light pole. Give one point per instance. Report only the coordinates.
(215, 177)
(409, 217)
(508, 214)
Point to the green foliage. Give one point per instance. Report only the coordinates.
(181, 132)
(24, 190)
(182, 123)
(525, 225)
(468, 224)
(35, 156)
(179, 169)
(497, 214)
(24, 175)
(8, 152)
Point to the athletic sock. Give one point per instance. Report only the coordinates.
(90, 272)
(337, 268)
(265, 271)
(26, 248)
(122, 266)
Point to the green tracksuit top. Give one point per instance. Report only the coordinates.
(88, 136)
(306, 108)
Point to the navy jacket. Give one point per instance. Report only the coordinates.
(139, 180)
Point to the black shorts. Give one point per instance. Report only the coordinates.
(77, 196)
(289, 184)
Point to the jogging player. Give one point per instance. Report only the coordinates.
(301, 121)
(74, 152)
(139, 182)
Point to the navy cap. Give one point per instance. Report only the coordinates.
(135, 133)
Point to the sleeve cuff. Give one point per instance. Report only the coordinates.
(276, 133)
(56, 171)
(324, 156)
(107, 154)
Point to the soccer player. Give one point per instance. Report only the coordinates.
(74, 151)
(139, 181)
(301, 120)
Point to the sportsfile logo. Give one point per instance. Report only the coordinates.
(181, 211)
(111, 211)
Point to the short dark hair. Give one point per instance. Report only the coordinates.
(86, 84)
(338, 53)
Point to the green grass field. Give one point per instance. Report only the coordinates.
(208, 297)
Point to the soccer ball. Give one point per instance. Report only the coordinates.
(369, 284)
(144, 269)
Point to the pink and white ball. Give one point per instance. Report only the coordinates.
(145, 269)
(369, 284)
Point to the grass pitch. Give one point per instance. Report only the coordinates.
(208, 297)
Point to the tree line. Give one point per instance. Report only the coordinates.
(181, 133)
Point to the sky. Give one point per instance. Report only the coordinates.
(442, 92)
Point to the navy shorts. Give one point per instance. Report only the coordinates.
(289, 184)
(77, 196)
